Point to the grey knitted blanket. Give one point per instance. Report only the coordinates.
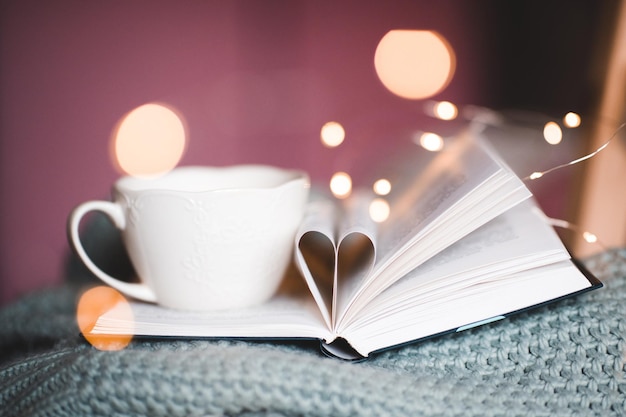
(566, 359)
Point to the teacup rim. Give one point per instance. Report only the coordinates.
(123, 184)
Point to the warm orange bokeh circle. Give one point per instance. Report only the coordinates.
(95, 302)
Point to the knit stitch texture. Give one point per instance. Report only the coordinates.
(565, 359)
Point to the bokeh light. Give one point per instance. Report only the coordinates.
(571, 120)
(382, 186)
(149, 141)
(95, 302)
(332, 134)
(429, 141)
(379, 210)
(341, 185)
(590, 237)
(552, 133)
(445, 110)
(414, 64)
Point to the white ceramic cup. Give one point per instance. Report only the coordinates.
(203, 238)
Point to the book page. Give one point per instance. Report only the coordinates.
(316, 251)
(335, 247)
(292, 313)
(356, 248)
(463, 188)
(281, 317)
(489, 300)
(517, 240)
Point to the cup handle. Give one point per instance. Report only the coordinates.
(114, 211)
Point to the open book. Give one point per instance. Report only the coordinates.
(464, 244)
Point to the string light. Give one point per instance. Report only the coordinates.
(571, 120)
(564, 224)
(590, 237)
(341, 185)
(379, 210)
(552, 133)
(539, 174)
(341, 182)
(445, 110)
(429, 141)
(382, 187)
(332, 134)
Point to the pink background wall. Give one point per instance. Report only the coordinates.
(254, 81)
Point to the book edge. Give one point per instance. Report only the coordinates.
(594, 282)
